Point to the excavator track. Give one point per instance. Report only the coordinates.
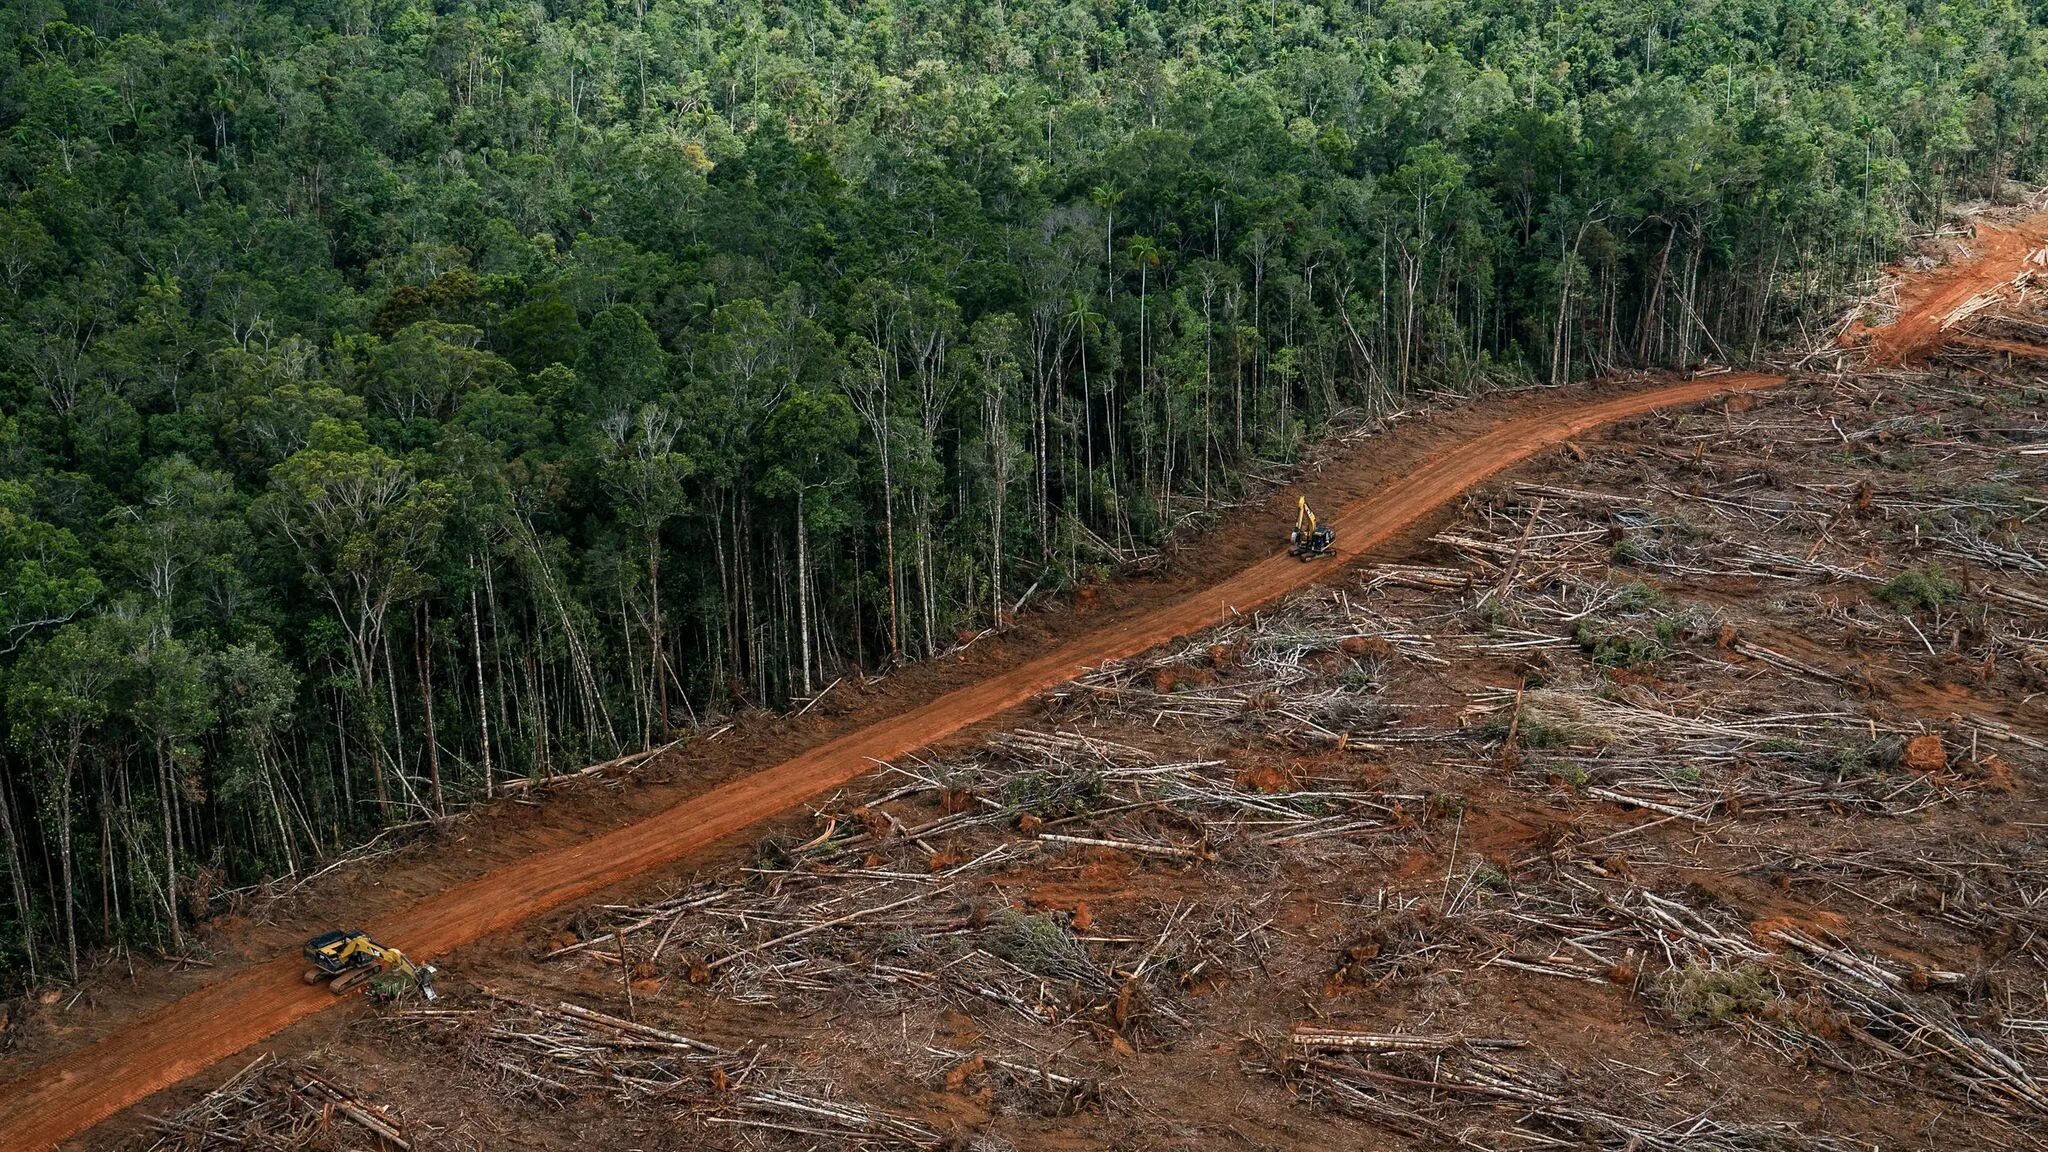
(348, 981)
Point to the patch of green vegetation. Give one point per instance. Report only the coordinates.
(1494, 614)
(1619, 650)
(1629, 550)
(1636, 596)
(2000, 495)
(1038, 942)
(1702, 995)
(1574, 775)
(1540, 733)
(1361, 676)
(772, 853)
(1846, 762)
(1054, 796)
(1547, 719)
(1533, 730)
(1928, 587)
(1446, 804)
(1490, 878)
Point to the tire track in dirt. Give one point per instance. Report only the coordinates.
(62, 1098)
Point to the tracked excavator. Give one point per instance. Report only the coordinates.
(348, 960)
(1308, 541)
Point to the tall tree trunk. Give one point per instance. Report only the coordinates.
(425, 634)
(803, 597)
(366, 669)
(15, 870)
(483, 704)
(64, 855)
(167, 772)
(999, 468)
(397, 725)
(654, 614)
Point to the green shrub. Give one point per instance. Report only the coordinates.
(1927, 587)
(1054, 796)
(1620, 650)
(1039, 943)
(1636, 596)
(1700, 995)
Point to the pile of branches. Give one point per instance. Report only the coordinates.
(1794, 987)
(272, 1106)
(1545, 536)
(1425, 1086)
(1776, 529)
(889, 905)
(1995, 890)
(1707, 765)
(565, 1051)
(1309, 672)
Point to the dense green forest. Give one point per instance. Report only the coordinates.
(398, 397)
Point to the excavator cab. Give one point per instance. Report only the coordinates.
(1309, 540)
(347, 960)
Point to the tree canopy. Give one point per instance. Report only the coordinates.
(397, 396)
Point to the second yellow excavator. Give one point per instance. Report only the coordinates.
(1308, 541)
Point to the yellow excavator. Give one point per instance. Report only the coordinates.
(1308, 541)
(347, 960)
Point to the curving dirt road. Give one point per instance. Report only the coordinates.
(1928, 300)
(70, 1094)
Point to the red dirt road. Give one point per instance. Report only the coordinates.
(58, 1100)
(1927, 301)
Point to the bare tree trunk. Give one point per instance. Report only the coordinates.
(366, 668)
(999, 468)
(1650, 320)
(397, 724)
(803, 596)
(273, 784)
(167, 772)
(654, 612)
(483, 704)
(426, 663)
(20, 884)
(64, 856)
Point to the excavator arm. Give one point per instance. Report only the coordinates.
(1309, 539)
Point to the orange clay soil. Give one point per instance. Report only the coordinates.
(1927, 301)
(73, 1092)
(1993, 344)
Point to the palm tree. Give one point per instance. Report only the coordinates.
(1107, 197)
(1083, 320)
